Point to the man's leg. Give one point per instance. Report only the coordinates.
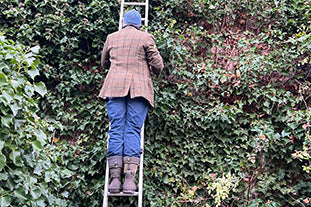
(136, 114)
(137, 109)
(116, 109)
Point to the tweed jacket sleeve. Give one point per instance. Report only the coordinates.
(105, 62)
(153, 56)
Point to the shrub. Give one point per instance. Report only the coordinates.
(26, 172)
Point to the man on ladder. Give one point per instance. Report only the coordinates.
(130, 55)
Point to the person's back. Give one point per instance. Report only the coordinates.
(127, 49)
(129, 53)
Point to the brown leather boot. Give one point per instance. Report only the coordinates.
(130, 169)
(115, 165)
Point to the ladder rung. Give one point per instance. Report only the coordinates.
(122, 194)
(135, 3)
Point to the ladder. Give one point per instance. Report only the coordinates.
(138, 194)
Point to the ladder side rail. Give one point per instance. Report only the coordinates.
(146, 13)
(105, 200)
(141, 168)
(121, 14)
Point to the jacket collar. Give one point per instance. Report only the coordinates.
(131, 25)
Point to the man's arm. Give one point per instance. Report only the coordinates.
(105, 62)
(154, 58)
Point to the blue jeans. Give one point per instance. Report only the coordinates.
(126, 118)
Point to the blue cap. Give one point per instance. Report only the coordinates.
(132, 17)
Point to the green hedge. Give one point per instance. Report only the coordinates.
(231, 122)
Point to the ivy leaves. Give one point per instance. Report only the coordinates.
(23, 134)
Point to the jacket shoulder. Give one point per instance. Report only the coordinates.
(145, 33)
(112, 34)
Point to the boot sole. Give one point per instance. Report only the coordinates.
(129, 191)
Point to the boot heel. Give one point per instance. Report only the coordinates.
(116, 190)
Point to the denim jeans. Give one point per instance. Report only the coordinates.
(126, 118)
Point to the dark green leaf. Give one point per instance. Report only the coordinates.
(20, 193)
(6, 120)
(3, 79)
(37, 145)
(2, 162)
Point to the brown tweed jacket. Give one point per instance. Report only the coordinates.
(128, 54)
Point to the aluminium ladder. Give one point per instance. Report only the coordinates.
(139, 194)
